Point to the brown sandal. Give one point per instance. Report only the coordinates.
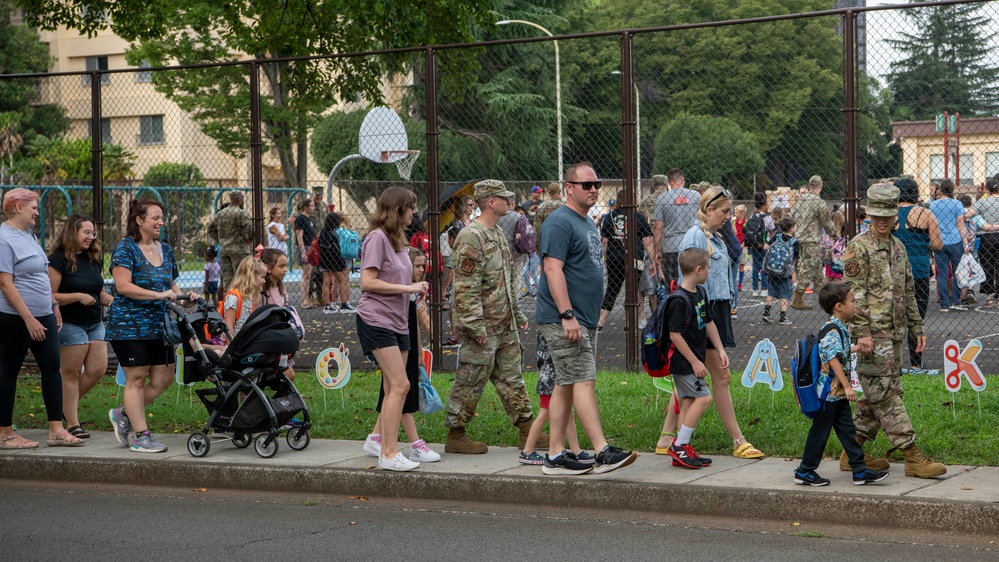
(17, 442)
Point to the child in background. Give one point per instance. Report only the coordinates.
(690, 330)
(740, 224)
(212, 271)
(535, 437)
(781, 288)
(970, 246)
(244, 293)
(419, 451)
(276, 264)
(837, 299)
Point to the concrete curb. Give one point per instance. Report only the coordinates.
(778, 505)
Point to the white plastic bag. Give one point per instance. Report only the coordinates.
(969, 272)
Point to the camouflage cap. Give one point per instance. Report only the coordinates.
(882, 200)
(814, 182)
(660, 179)
(319, 188)
(236, 195)
(491, 188)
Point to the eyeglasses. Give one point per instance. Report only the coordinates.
(723, 193)
(90, 233)
(588, 185)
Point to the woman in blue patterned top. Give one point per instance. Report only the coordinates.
(145, 277)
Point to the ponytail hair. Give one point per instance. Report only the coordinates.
(712, 197)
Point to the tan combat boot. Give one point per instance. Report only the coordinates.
(799, 304)
(525, 428)
(458, 442)
(879, 463)
(919, 465)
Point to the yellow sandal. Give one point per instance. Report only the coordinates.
(665, 450)
(747, 451)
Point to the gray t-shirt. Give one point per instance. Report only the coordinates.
(988, 208)
(23, 258)
(574, 240)
(677, 209)
(508, 223)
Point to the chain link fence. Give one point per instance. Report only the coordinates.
(759, 106)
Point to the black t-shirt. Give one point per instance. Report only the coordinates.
(308, 228)
(695, 334)
(614, 229)
(86, 279)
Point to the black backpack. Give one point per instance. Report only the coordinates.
(754, 232)
(657, 349)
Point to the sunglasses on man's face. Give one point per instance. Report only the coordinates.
(587, 185)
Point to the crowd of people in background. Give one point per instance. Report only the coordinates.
(690, 242)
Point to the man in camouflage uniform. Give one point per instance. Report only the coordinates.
(876, 265)
(811, 215)
(546, 207)
(232, 229)
(486, 317)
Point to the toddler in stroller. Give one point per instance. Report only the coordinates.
(250, 393)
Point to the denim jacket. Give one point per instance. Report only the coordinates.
(719, 284)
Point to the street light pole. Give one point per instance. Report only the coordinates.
(558, 90)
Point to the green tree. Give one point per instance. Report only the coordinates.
(779, 81)
(56, 160)
(173, 174)
(946, 65)
(21, 117)
(293, 95)
(708, 149)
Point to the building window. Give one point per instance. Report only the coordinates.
(97, 63)
(151, 129)
(144, 76)
(105, 130)
(967, 168)
(991, 164)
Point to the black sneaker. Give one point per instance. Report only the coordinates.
(767, 318)
(868, 476)
(566, 463)
(809, 478)
(681, 456)
(692, 453)
(612, 458)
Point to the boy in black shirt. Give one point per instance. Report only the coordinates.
(691, 327)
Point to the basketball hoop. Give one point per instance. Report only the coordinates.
(403, 160)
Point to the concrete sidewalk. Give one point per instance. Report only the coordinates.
(966, 500)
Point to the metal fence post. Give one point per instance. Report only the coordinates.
(433, 195)
(631, 303)
(96, 152)
(256, 166)
(850, 109)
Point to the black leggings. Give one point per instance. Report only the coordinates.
(922, 287)
(615, 278)
(17, 342)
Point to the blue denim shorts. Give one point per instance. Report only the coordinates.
(75, 334)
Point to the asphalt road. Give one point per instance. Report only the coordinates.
(56, 521)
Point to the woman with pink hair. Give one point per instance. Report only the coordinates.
(29, 319)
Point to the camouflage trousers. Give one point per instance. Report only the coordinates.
(880, 406)
(498, 360)
(229, 262)
(810, 268)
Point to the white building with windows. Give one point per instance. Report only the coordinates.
(923, 153)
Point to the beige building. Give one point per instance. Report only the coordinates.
(923, 153)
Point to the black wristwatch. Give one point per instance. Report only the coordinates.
(567, 315)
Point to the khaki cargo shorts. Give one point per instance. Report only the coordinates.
(574, 361)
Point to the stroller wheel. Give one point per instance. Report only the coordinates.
(241, 440)
(298, 438)
(198, 444)
(265, 445)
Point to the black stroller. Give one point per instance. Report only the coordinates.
(238, 403)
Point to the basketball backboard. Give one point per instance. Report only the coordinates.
(382, 137)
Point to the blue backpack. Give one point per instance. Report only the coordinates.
(806, 368)
(350, 243)
(657, 349)
(779, 259)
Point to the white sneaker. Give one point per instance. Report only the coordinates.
(372, 447)
(420, 452)
(399, 464)
(331, 309)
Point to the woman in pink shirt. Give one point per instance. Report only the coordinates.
(383, 312)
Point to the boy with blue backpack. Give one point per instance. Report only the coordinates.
(778, 267)
(833, 388)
